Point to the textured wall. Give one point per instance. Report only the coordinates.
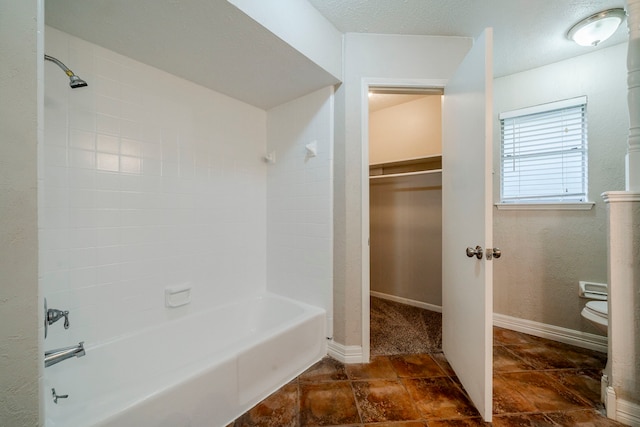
(546, 253)
(19, 311)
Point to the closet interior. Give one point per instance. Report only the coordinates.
(405, 195)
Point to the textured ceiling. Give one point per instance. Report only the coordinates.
(527, 33)
(213, 44)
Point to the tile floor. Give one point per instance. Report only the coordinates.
(537, 382)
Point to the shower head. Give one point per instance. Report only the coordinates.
(74, 81)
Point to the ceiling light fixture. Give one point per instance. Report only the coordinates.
(597, 28)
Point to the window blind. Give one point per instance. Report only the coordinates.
(544, 153)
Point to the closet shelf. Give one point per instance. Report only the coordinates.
(395, 175)
(407, 167)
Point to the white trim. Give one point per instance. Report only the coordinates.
(627, 412)
(345, 353)
(407, 301)
(620, 196)
(555, 333)
(365, 219)
(549, 106)
(609, 399)
(329, 289)
(546, 206)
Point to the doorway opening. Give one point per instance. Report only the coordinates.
(405, 219)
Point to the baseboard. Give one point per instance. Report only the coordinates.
(407, 301)
(345, 353)
(556, 333)
(627, 412)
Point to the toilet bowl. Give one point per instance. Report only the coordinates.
(597, 313)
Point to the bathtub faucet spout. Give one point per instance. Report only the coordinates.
(51, 357)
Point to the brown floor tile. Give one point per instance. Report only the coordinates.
(379, 367)
(439, 398)
(541, 356)
(416, 366)
(507, 399)
(508, 337)
(327, 404)
(545, 393)
(522, 420)
(465, 422)
(581, 357)
(384, 400)
(278, 410)
(328, 369)
(587, 417)
(505, 361)
(584, 383)
(536, 383)
(400, 424)
(443, 363)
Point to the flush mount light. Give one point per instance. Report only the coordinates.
(596, 28)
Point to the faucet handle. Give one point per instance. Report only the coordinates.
(54, 315)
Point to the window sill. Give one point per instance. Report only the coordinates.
(570, 206)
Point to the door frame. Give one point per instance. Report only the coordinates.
(366, 84)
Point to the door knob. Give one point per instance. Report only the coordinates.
(494, 253)
(477, 252)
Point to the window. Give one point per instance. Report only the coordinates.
(543, 156)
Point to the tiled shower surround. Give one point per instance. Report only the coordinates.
(147, 180)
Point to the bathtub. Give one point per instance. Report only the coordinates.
(204, 369)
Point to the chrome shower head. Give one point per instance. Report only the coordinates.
(74, 81)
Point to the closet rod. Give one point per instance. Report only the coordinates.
(393, 175)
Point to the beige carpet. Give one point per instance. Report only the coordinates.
(403, 329)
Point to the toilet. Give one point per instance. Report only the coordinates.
(597, 313)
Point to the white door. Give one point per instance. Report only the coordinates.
(467, 282)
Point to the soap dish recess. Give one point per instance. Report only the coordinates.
(177, 295)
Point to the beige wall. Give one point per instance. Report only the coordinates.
(406, 237)
(546, 253)
(19, 308)
(405, 131)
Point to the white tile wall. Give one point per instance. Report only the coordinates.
(146, 180)
(300, 201)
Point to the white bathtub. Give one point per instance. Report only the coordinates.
(205, 369)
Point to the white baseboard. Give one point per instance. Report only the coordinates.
(627, 412)
(556, 333)
(345, 353)
(407, 301)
